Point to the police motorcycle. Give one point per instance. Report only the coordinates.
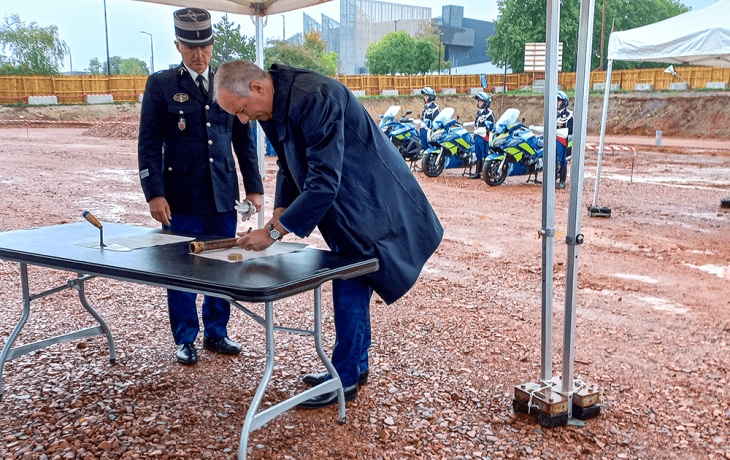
(514, 150)
(564, 141)
(402, 133)
(451, 145)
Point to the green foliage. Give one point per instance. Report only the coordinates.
(33, 50)
(431, 34)
(119, 66)
(524, 21)
(311, 55)
(134, 66)
(399, 53)
(230, 45)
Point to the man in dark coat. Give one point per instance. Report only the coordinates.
(188, 172)
(339, 173)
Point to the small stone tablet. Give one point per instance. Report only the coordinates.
(235, 256)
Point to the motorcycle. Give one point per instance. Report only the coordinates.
(564, 141)
(450, 146)
(402, 133)
(514, 151)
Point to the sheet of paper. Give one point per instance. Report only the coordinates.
(141, 241)
(277, 248)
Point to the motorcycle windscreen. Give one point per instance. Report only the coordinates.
(508, 117)
(443, 116)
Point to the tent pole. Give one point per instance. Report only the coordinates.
(574, 239)
(609, 68)
(260, 136)
(548, 187)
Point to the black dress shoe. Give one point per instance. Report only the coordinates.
(222, 345)
(328, 399)
(186, 354)
(316, 379)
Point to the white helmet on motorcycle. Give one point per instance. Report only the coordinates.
(484, 97)
(429, 93)
(563, 100)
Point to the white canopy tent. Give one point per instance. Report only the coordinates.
(699, 37)
(258, 12)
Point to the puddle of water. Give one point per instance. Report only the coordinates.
(721, 272)
(663, 305)
(643, 279)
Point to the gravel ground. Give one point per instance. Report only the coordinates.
(653, 329)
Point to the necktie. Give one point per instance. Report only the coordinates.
(201, 85)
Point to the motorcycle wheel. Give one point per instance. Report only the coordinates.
(492, 174)
(429, 166)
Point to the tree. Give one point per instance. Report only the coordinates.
(311, 55)
(399, 53)
(229, 44)
(524, 21)
(432, 34)
(33, 50)
(119, 66)
(133, 66)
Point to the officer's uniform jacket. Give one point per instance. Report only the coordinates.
(429, 112)
(565, 120)
(184, 147)
(483, 117)
(339, 172)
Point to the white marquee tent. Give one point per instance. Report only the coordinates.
(700, 37)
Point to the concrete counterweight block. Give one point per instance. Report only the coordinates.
(716, 85)
(475, 91)
(359, 92)
(602, 87)
(682, 86)
(42, 100)
(448, 91)
(99, 98)
(643, 87)
(416, 92)
(140, 97)
(389, 92)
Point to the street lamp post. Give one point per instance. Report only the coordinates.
(152, 51)
(106, 32)
(396, 24)
(283, 27)
(440, 44)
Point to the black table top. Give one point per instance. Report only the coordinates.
(171, 265)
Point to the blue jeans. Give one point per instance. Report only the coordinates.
(562, 157)
(181, 305)
(351, 300)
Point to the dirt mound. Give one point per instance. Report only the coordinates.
(121, 127)
(699, 114)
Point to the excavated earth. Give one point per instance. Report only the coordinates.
(652, 311)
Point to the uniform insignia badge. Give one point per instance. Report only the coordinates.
(180, 97)
(181, 122)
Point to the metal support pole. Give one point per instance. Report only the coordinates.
(548, 186)
(574, 238)
(260, 136)
(604, 114)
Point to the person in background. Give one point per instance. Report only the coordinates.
(340, 174)
(565, 120)
(484, 119)
(188, 172)
(430, 111)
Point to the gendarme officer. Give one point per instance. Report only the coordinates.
(188, 172)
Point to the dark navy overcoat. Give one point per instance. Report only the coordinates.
(184, 147)
(340, 173)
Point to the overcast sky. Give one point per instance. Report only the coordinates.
(81, 24)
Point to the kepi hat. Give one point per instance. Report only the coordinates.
(193, 27)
